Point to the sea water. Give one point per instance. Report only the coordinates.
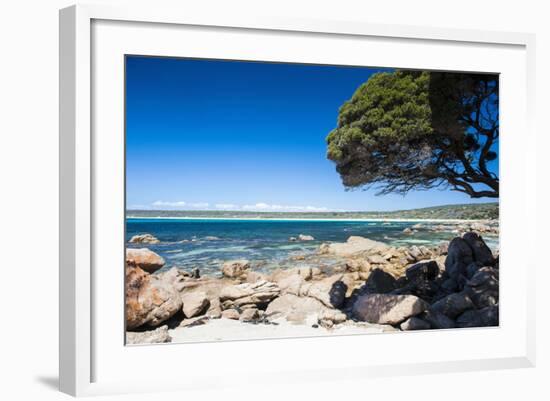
(207, 243)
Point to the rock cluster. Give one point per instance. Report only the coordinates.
(401, 288)
(144, 239)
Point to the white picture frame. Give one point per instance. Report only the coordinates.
(86, 351)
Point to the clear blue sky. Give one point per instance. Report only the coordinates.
(243, 136)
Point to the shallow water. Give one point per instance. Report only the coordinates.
(207, 243)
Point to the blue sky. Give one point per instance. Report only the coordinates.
(228, 135)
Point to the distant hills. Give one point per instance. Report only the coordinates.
(480, 211)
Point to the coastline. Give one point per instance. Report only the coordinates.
(374, 219)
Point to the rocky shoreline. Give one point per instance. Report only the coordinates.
(376, 288)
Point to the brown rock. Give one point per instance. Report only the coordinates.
(231, 314)
(194, 304)
(235, 268)
(144, 259)
(144, 239)
(149, 299)
(248, 294)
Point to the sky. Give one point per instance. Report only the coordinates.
(233, 135)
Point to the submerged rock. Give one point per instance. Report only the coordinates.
(235, 268)
(144, 239)
(144, 259)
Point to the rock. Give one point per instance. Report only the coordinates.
(256, 294)
(377, 259)
(472, 269)
(423, 271)
(293, 239)
(453, 305)
(483, 287)
(291, 284)
(438, 320)
(144, 239)
(407, 231)
(415, 252)
(235, 268)
(175, 277)
(305, 272)
(303, 237)
(479, 318)
(459, 256)
(144, 259)
(331, 291)
(249, 315)
(159, 335)
(149, 299)
(214, 311)
(252, 276)
(195, 321)
(211, 238)
(358, 265)
(231, 314)
(481, 251)
(194, 304)
(379, 282)
(386, 308)
(353, 246)
(195, 273)
(414, 323)
(295, 309)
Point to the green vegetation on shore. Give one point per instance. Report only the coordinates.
(481, 211)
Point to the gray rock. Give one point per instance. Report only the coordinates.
(459, 256)
(296, 309)
(387, 308)
(453, 305)
(331, 291)
(378, 282)
(159, 335)
(414, 323)
(483, 287)
(472, 269)
(479, 318)
(423, 271)
(481, 251)
(438, 320)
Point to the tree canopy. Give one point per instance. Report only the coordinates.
(407, 130)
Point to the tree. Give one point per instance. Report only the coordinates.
(419, 130)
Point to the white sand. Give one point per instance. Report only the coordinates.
(227, 330)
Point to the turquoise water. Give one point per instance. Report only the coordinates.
(207, 243)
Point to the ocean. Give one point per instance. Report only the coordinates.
(207, 243)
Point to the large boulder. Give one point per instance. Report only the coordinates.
(355, 245)
(459, 256)
(378, 282)
(331, 291)
(235, 268)
(438, 320)
(257, 294)
(481, 251)
(159, 335)
(149, 299)
(453, 305)
(194, 303)
(144, 259)
(299, 310)
(387, 308)
(423, 271)
(144, 239)
(484, 317)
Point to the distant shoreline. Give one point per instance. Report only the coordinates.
(374, 219)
